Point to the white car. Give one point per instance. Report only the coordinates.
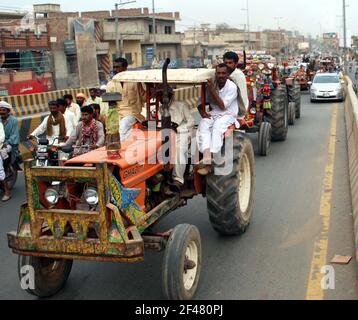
(327, 87)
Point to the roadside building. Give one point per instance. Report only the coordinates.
(26, 62)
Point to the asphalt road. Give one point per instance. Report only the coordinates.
(271, 261)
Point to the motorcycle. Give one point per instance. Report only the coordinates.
(46, 154)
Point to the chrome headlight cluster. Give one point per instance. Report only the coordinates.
(52, 196)
(91, 196)
(42, 149)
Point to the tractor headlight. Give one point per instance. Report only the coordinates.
(52, 196)
(91, 196)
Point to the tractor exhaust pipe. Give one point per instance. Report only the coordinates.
(245, 60)
(166, 118)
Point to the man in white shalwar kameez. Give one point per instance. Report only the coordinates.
(223, 100)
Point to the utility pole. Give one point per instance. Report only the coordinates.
(244, 37)
(194, 42)
(154, 32)
(279, 29)
(117, 31)
(345, 34)
(278, 22)
(248, 23)
(119, 49)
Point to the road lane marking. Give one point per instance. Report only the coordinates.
(320, 253)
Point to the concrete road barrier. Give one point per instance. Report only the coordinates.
(25, 105)
(351, 115)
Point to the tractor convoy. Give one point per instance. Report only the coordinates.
(103, 208)
(274, 101)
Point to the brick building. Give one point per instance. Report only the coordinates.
(26, 62)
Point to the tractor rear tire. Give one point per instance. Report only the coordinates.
(278, 115)
(182, 263)
(230, 197)
(291, 113)
(265, 136)
(294, 95)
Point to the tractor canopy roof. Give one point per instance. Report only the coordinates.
(178, 76)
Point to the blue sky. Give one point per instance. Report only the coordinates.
(307, 16)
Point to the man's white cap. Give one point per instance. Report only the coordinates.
(104, 87)
(4, 104)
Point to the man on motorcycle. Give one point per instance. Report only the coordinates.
(53, 125)
(88, 132)
(10, 147)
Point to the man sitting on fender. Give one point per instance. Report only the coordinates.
(222, 98)
(231, 59)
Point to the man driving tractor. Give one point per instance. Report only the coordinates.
(88, 132)
(183, 123)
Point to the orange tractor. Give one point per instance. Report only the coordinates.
(102, 207)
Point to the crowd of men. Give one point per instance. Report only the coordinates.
(83, 121)
(70, 122)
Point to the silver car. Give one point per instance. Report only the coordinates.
(327, 86)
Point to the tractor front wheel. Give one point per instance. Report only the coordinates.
(265, 136)
(278, 115)
(294, 95)
(291, 113)
(182, 263)
(43, 277)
